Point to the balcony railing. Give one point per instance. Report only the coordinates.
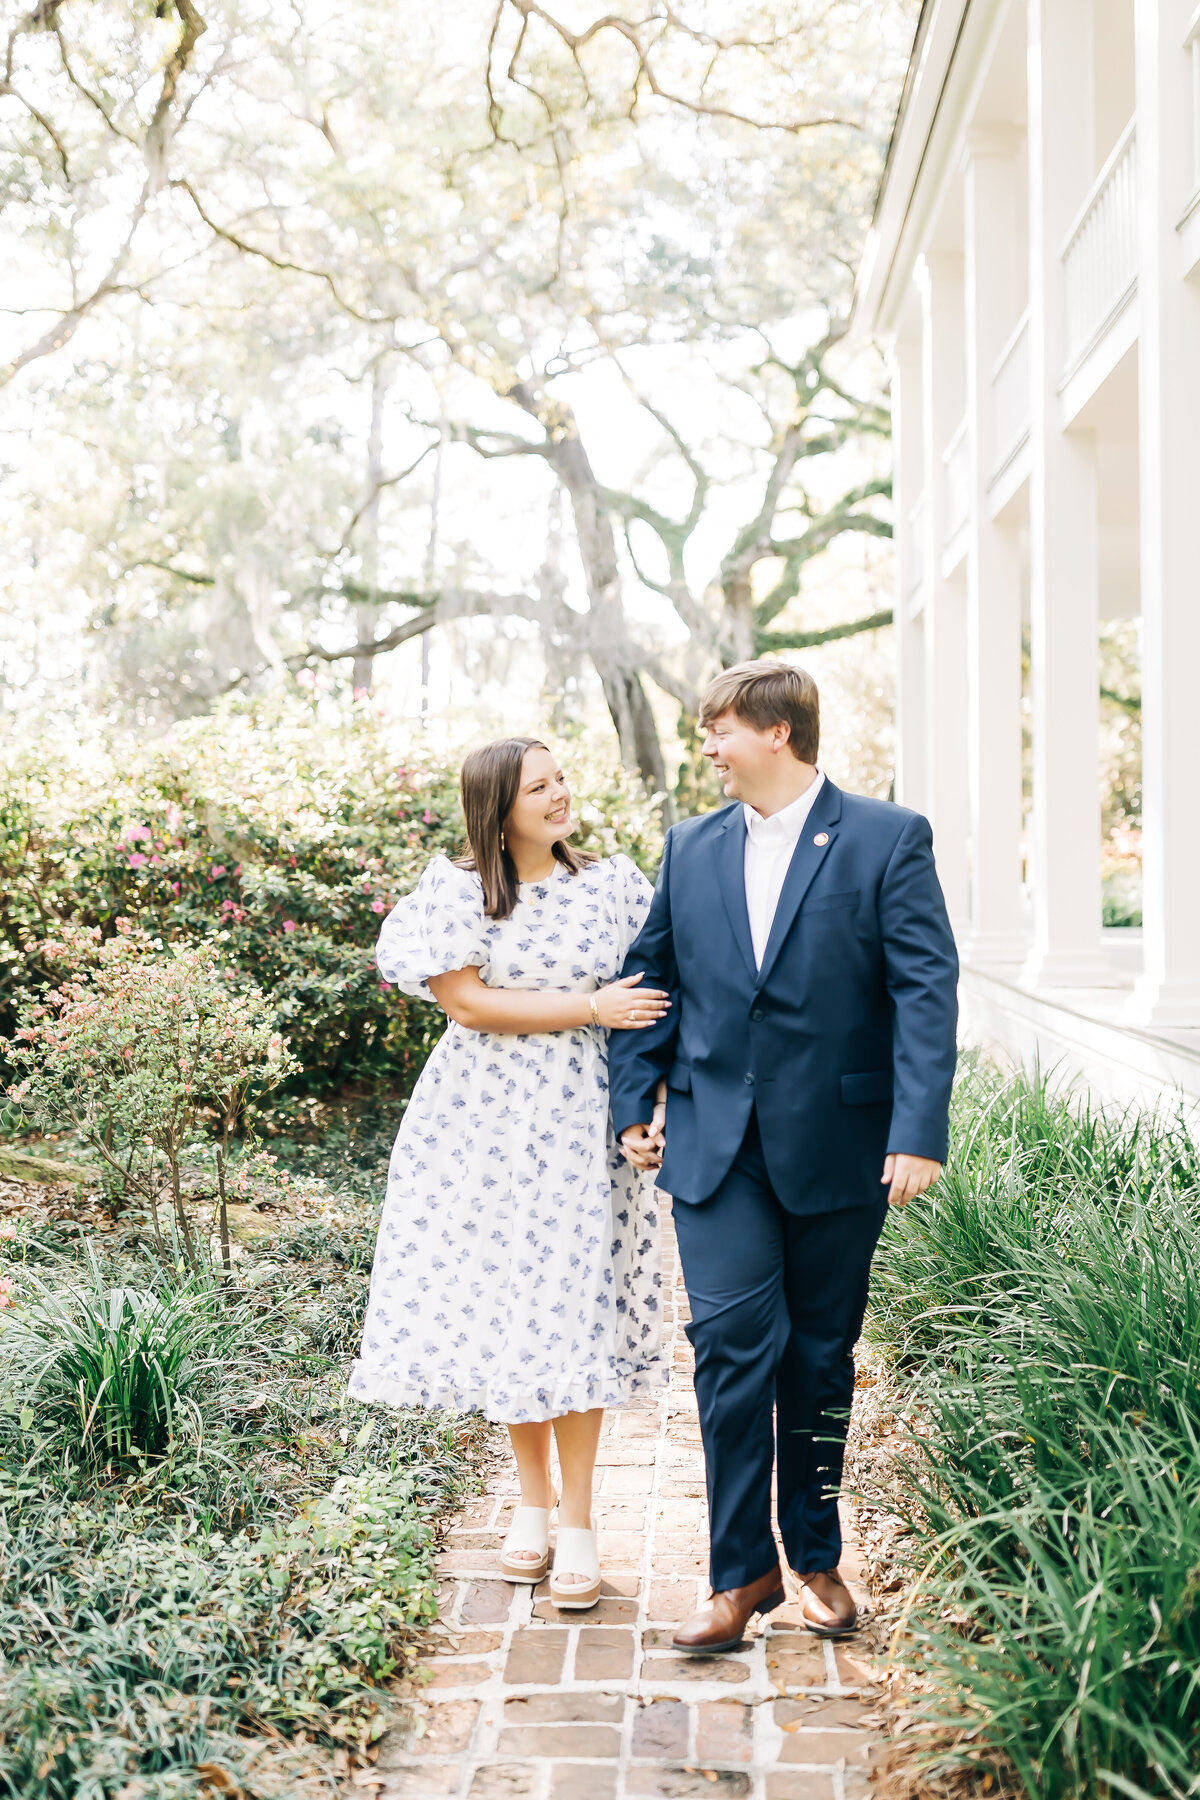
(957, 460)
(1012, 404)
(1100, 254)
(916, 549)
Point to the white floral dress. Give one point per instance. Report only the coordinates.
(517, 1267)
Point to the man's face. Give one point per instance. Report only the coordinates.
(745, 758)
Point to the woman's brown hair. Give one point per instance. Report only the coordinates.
(489, 782)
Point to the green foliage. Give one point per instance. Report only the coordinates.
(238, 1594)
(132, 1648)
(110, 1373)
(133, 1049)
(1046, 1312)
(271, 835)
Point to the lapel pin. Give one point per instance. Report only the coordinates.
(821, 839)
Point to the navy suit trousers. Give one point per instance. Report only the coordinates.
(777, 1303)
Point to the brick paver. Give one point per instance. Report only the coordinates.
(528, 1701)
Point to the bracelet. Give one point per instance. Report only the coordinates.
(595, 1009)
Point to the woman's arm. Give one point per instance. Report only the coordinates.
(622, 1005)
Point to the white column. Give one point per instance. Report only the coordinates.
(939, 280)
(1063, 573)
(1169, 449)
(907, 401)
(993, 626)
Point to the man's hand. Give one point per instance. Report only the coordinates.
(908, 1176)
(642, 1145)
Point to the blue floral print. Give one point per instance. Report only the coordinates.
(517, 1267)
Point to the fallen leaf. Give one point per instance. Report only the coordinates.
(219, 1780)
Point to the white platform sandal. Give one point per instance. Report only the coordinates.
(575, 1554)
(530, 1530)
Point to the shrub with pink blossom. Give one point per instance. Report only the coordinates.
(276, 838)
(146, 1051)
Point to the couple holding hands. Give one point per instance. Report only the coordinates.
(767, 1035)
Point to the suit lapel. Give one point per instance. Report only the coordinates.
(807, 858)
(729, 846)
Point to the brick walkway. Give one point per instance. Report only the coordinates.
(529, 1701)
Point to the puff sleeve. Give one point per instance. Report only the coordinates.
(439, 926)
(633, 894)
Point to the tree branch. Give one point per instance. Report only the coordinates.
(158, 132)
(68, 323)
(767, 641)
(576, 41)
(282, 263)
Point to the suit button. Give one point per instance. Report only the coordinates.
(758, 1013)
(749, 1080)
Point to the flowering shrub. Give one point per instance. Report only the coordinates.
(271, 835)
(1121, 875)
(134, 1046)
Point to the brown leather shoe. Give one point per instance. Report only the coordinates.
(827, 1605)
(721, 1623)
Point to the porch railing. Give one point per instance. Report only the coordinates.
(956, 458)
(1012, 405)
(1100, 254)
(916, 549)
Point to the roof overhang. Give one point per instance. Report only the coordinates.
(882, 274)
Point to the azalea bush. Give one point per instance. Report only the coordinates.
(275, 834)
(1121, 875)
(145, 1051)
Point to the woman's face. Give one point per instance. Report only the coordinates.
(541, 812)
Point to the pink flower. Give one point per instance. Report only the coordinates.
(289, 924)
(137, 859)
(174, 887)
(8, 1231)
(134, 833)
(217, 870)
(427, 818)
(385, 987)
(377, 906)
(156, 862)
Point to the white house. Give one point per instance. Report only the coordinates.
(1034, 272)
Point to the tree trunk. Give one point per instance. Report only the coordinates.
(631, 714)
(737, 624)
(608, 636)
(366, 612)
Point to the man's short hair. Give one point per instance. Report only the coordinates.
(766, 693)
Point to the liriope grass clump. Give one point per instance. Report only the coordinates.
(1043, 1314)
(110, 1371)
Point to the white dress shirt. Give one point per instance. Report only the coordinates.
(769, 846)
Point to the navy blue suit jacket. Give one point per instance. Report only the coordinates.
(844, 1039)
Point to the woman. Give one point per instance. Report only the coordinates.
(517, 1267)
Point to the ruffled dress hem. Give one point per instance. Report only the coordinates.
(614, 1387)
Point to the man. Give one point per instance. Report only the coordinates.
(808, 1057)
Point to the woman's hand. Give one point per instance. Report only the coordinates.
(643, 1145)
(623, 1006)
